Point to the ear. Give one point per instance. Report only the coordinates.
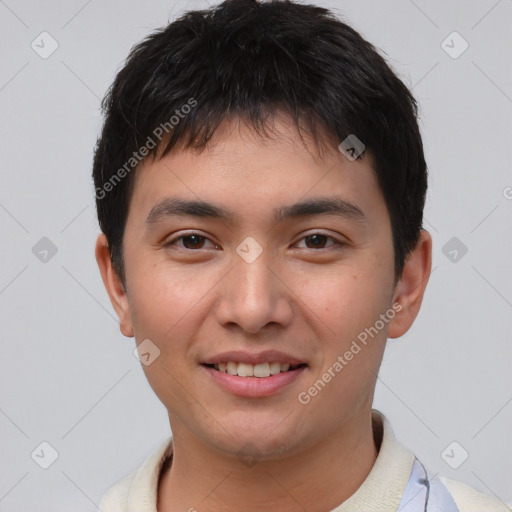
(411, 286)
(114, 286)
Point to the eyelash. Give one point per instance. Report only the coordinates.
(328, 237)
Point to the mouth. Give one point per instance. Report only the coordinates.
(261, 370)
(251, 375)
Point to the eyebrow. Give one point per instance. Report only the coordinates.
(321, 206)
(174, 206)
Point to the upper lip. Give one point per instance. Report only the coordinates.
(267, 356)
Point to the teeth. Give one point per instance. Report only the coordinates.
(275, 368)
(245, 370)
(261, 370)
(232, 368)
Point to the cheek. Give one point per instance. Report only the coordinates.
(163, 299)
(346, 301)
(349, 305)
(165, 305)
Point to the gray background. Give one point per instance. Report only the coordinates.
(69, 377)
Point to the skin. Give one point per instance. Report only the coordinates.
(196, 300)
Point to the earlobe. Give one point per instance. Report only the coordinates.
(411, 286)
(114, 286)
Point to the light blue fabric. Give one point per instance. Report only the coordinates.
(425, 494)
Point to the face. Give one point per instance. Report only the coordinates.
(288, 260)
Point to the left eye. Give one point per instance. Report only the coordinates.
(318, 241)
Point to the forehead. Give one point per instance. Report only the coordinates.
(257, 174)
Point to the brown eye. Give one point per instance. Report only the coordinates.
(320, 241)
(193, 241)
(316, 241)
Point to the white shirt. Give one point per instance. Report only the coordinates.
(398, 482)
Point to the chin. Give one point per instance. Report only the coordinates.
(252, 436)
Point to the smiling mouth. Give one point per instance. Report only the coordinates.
(261, 370)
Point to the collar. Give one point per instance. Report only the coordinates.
(382, 489)
(385, 485)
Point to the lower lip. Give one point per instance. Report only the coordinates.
(254, 387)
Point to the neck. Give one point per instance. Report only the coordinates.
(317, 479)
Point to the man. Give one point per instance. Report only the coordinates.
(260, 184)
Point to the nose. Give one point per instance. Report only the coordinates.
(253, 296)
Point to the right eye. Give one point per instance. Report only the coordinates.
(190, 242)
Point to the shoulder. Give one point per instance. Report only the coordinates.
(139, 490)
(116, 498)
(468, 499)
